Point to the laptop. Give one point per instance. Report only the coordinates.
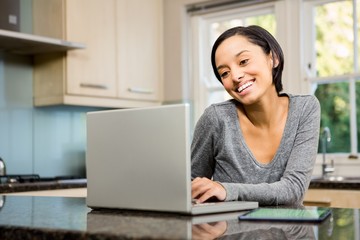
(139, 159)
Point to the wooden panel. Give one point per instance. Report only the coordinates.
(91, 76)
(48, 18)
(92, 71)
(49, 75)
(71, 192)
(140, 49)
(333, 198)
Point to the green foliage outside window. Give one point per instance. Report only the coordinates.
(335, 114)
(335, 57)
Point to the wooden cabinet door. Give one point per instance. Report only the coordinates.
(121, 65)
(92, 71)
(139, 38)
(333, 197)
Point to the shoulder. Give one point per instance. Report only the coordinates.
(304, 109)
(218, 108)
(306, 102)
(215, 113)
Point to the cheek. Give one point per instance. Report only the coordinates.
(253, 69)
(228, 84)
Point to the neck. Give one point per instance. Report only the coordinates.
(265, 113)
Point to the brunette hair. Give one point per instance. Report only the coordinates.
(261, 37)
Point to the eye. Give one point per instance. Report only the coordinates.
(224, 74)
(243, 62)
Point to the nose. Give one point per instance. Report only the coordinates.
(237, 74)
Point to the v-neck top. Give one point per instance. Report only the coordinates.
(219, 152)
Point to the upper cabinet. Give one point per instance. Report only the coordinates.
(140, 48)
(121, 65)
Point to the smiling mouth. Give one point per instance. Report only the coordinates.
(245, 86)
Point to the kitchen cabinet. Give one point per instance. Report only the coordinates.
(140, 45)
(333, 198)
(122, 63)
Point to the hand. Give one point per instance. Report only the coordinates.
(208, 230)
(203, 189)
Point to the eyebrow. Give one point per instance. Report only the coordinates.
(236, 55)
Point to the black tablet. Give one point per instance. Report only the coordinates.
(313, 214)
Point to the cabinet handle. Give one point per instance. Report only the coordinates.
(93, 85)
(141, 90)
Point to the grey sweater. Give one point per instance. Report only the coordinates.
(219, 151)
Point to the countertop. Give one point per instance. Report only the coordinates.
(40, 186)
(346, 184)
(24, 217)
(81, 183)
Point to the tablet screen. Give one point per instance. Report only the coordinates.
(314, 214)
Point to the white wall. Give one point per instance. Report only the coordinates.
(176, 83)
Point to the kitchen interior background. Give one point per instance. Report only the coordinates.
(49, 141)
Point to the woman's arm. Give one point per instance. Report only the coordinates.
(202, 146)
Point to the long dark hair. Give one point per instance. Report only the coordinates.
(259, 36)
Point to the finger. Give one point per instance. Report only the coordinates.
(205, 196)
(197, 180)
(205, 193)
(213, 190)
(200, 186)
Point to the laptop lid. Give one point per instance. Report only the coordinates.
(139, 159)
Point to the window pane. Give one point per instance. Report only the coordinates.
(218, 28)
(266, 21)
(335, 114)
(334, 38)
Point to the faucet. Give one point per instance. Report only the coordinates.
(326, 138)
(2, 167)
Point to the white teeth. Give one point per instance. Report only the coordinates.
(246, 85)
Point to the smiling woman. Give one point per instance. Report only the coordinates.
(249, 59)
(262, 144)
(206, 27)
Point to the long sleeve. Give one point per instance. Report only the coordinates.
(285, 179)
(202, 146)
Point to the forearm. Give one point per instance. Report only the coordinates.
(278, 193)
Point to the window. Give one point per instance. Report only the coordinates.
(333, 69)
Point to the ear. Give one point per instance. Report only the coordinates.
(274, 60)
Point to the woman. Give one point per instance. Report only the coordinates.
(262, 144)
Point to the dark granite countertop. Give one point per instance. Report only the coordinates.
(69, 218)
(38, 186)
(335, 182)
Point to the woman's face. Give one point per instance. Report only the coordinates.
(245, 70)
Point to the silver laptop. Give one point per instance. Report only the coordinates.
(139, 159)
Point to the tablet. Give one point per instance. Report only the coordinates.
(313, 214)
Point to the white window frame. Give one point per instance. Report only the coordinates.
(310, 58)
